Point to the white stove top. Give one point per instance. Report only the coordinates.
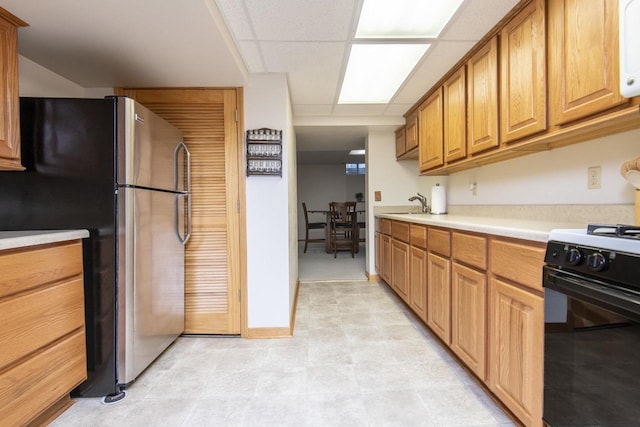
(579, 236)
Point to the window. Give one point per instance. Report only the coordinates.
(355, 169)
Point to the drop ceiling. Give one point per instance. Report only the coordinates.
(223, 42)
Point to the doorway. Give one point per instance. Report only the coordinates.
(326, 173)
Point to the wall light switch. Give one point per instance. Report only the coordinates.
(377, 195)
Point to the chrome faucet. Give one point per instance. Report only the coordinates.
(423, 202)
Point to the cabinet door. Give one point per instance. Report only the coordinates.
(516, 333)
(439, 296)
(455, 117)
(378, 248)
(400, 141)
(431, 132)
(418, 282)
(523, 74)
(9, 98)
(400, 268)
(482, 98)
(411, 132)
(386, 258)
(583, 58)
(468, 314)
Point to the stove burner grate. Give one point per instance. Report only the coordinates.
(614, 230)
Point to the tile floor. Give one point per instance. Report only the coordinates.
(317, 265)
(358, 358)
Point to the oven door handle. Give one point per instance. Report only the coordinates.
(613, 299)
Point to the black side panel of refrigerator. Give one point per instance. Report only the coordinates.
(68, 148)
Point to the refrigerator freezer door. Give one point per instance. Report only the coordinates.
(147, 149)
(150, 279)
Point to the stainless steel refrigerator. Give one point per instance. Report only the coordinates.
(119, 170)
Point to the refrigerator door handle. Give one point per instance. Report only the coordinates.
(176, 159)
(179, 232)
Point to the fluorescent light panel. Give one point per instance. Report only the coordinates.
(376, 71)
(357, 152)
(404, 18)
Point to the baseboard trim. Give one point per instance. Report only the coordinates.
(294, 308)
(269, 333)
(373, 277)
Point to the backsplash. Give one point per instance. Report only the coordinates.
(606, 214)
(579, 214)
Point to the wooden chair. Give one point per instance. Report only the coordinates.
(343, 227)
(311, 226)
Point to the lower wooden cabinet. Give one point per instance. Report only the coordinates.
(468, 317)
(482, 296)
(439, 296)
(385, 270)
(418, 281)
(42, 331)
(516, 338)
(400, 268)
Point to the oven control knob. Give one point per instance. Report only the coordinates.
(574, 256)
(596, 261)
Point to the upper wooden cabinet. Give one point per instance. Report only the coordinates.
(482, 98)
(400, 141)
(523, 74)
(455, 116)
(583, 58)
(411, 132)
(9, 96)
(407, 138)
(431, 132)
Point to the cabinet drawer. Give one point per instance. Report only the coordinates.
(26, 268)
(31, 387)
(35, 319)
(439, 241)
(470, 249)
(383, 225)
(400, 231)
(518, 261)
(418, 235)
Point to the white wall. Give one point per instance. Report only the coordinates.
(35, 80)
(269, 216)
(556, 177)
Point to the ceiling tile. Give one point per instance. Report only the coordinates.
(313, 20)
(313, 68)
(251, 54)
(439, 59)
(476, 18)
(397, 109)
(312, 110)
(236, 18)
(359, 109)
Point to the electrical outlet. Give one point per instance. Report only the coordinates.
(377, 195)
(593, 177)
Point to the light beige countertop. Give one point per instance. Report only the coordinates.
(526, 229)
(20, 239)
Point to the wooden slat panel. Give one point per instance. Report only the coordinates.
(211, 285)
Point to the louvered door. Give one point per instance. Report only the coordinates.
(213, 261)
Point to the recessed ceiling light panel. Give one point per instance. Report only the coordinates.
(405, 18)
(376, 71)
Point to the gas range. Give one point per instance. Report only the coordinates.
(608, 253)
(592, 326)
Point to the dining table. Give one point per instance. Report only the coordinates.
(327, 230)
